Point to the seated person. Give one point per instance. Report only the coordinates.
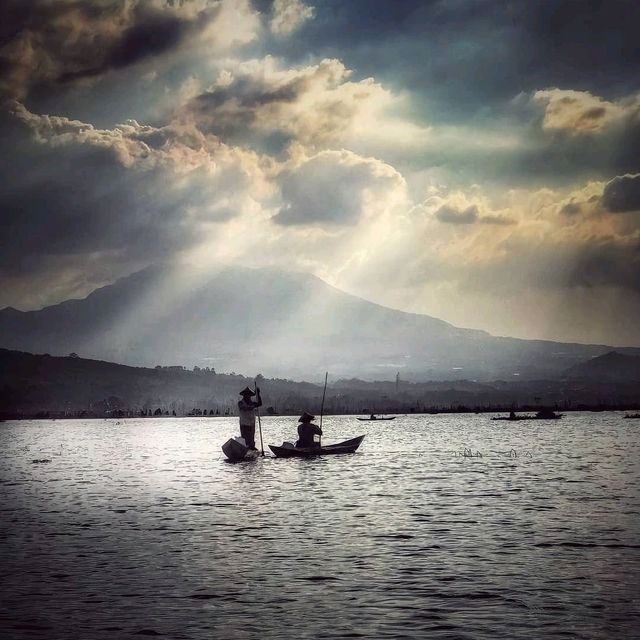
(306, 431)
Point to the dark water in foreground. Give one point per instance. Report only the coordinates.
(140, 528)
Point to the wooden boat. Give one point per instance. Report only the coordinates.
(541, 415)
(374, 419)
(348, 446)
(236, 450)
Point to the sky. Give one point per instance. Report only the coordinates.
(474, 160)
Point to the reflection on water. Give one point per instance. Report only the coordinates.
(141, 528)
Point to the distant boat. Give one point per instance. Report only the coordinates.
(543, 414)
(632, 416)
(236, 450)
(373, 417)
(289, 451)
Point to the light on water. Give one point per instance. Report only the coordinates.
(141, 527)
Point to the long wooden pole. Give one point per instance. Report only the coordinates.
(255, 388)
(324, 391)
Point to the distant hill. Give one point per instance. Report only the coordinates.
(277, 323)
(610, 367)
(39, 383)
(32, 385)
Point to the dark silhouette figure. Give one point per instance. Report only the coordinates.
(548, 414)
(247, 411)
(307, 432)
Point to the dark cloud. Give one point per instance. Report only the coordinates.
(622, 194)
(150, 35)
(335, 189)
(571, 208)
(451, 215)
(58, 42)
(229, 110)
(470, 215)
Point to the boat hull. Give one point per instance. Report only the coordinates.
(376, 419)
(348, 446)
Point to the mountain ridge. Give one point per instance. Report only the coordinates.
(276, 322)
(611, 367)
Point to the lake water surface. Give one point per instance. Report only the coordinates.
(139, 527)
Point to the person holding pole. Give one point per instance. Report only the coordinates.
(247, 412)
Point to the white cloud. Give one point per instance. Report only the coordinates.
(317, 105)
(289, 15)
(580, 112)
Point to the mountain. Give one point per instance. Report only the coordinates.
(277, 323)
(610, 367)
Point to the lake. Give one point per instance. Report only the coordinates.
(138, 527)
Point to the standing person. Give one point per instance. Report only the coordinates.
(247, 412)
(307, 431)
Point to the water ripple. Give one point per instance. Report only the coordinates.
(140, 529)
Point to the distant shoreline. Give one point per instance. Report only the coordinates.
(52, 416)
(42, 387)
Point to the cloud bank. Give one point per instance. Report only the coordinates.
(438, 179)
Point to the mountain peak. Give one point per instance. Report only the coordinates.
(279, 323)
(612, 366)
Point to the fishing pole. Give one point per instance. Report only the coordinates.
(324, 391)
(255, 388)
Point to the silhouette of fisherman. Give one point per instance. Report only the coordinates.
(307, 431)
(247, 411)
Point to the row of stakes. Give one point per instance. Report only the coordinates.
(469, 453)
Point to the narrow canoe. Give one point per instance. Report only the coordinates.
(375, 419)
(348, 446)
(237, 451)
(557, 416)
